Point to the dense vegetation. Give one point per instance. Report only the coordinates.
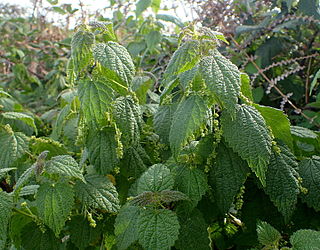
(144, 132)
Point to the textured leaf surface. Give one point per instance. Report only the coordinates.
(156, 178)
(191, 181)
(303, 133)
(132, 164)
(183, 59)
(188, 118)
(193, 233)
(126, 226)
(278, 122)
(34, 239)
(245, 86)
(6, 205)
(54, 203)
(27, 119)
(64, 165)
(26, 175)
(222, 78)
(167, 196)
(95, 97)
(248, 136)
(267, 234)
(102, 148)
(128, 118)
(82, 234)
(305, 240)
(13, 146)
(163, 120)
(309, 170)
(158, 228)
(115, 58)
(98, 192)
(81, 48)
(281, 182)
(227, 176)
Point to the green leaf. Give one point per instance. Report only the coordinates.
(227, 177)
(278, 122)
(156, 5)
(102, 147)
(309, 170)
(95, 97)
(267, 234)
(4, 171)
(189, 117)
(282, 182)
(310, 8)
(29, 190)
(81, 48)
(158, 228)
(248, 136)
(106, 28)
(154, 198)
(156, 178)
(171, 19)
(54, 203)
(13, 146)
(30, 172)
(115, 58)
(126, 226)
(193, 233)
(132, 164)
(127, 115)
(153, 38)
(34, 239)
(245, 86)
(314, 81)
(162, 121)
(81, 233)
(183, 59)
(303, 133)
(141, 6)
(98, 192)
(222, 78)
(64, 165)
(27, 119)
(140, 86)
(191, 181)
(55, 148)
(6, 204)
(305, 239)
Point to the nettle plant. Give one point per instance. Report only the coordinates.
(127, 167)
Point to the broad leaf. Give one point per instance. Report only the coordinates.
(126, 226)
(158, 228)
(102, 147)
(114, 57)
(171, 19)
(27, 119)
(305, 240)
(141, 6)
(245, 86)
(34, 239)
(303, 133)
(95, 97)
(191, 181)
(267, 234)
(189, 118)
(54, 203)
(183, 59)
(222, 78)
(13, 146)
(132, 164)
(26, 175)
(156, 178)
(227, 176)
(127, 115)
(278, 122)
(98, 192)
(81, 48)
(309, 170)
(162, 121)
(153, 38)
(64, 165)
(193, 233)
(247, 135)
(81, 233)
(282, 182)
(155, 198)
(6, 204)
